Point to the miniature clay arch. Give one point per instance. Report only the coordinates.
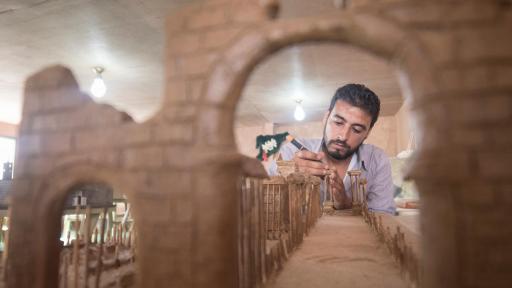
(368, 32)
(50, 199)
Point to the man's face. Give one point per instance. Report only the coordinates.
(346, 127)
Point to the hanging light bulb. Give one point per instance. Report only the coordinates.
(299, 113)
(98, 87)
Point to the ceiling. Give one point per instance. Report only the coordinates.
(126, 37)
(312, 73)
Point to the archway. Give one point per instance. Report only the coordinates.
(72, 185)
(369, 33)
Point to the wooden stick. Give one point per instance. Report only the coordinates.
(95, 236)
(6, 245)
(271, 203)
(280, 211)
(114, 232)
(267, 212)
(69, 238)
(65, 272)
(129, 242)
(75, 247)
(87, 239)
(99, 264)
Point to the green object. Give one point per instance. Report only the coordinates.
(269, 145)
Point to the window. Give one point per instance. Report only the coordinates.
(7, 152)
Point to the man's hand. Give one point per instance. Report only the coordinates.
(310, 162)
(341, 201)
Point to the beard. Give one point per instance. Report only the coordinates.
(337, 153)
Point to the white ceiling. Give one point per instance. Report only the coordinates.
(312, 73)
(126, 37)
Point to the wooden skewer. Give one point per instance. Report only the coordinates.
(114, 232)
(109, 235)
(68, 241)
(6, 244)
(99, 264)
(75, 247)
(95, 236)
(129, 241)
(87, 239)
(65, 272)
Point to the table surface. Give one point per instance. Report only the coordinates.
(340, 251)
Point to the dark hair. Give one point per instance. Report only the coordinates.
(359, 96)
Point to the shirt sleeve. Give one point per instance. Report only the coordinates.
(380, 185)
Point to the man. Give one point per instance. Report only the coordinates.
(353, 111)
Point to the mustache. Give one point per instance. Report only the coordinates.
(339, 142)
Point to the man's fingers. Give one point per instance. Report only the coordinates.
(309, 155)
(311, 167)
(311, 164)
(312, 171)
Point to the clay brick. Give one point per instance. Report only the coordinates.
(505, 192)
(418, 13)
(247, 13)
(474, 43)
(184, 44)
(174, 155)
(215, 125)
(385, 35)
(30, 104)
(469, 138)
(104, 115)
(210, 17)
(143, 158)
(128, 134)
(220, 37)
(148, 201)
(93, 139)
(63, 99)
(498, 137)
(176, 91)
(452, 166)
(482, 110)
(476, 78)
(440, 46)
(472, 11)
(219, 84)
(501, 76)
(196, 64)
(180, 113)
(104, 157)
(495, 165)
(29, 144)
(174, 133)
(55, 143)
(37, 166)
(478, 194)
(195, 88)
(451, 79)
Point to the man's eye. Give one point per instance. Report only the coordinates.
(338, 123)
(357, 131)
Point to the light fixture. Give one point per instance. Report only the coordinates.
(299, 113)
(98, 88)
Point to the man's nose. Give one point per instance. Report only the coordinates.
(343, 133)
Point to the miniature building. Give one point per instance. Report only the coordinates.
(454, 58)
